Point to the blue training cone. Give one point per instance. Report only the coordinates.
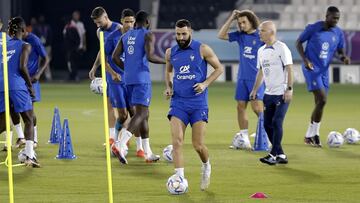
(65, 145)
(261, 140)
(56, 130)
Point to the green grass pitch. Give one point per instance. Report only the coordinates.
(312, 175)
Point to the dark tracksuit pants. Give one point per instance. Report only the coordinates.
(274, 114)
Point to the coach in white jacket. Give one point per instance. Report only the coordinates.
(275, 63)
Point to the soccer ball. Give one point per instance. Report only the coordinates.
(351, 136)
(240, 142)
(22, 156)
(335, 139)
(168, 153)
(177, 185)
(96, 86)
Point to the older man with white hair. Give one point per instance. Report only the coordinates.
(275, 63)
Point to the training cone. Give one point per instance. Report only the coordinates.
(261, 140)
(56, 130)
(65, 145)
(259, 195)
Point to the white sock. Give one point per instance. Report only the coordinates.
(179, 172)
(316, 128)
(125, 137)
(29, 148)
(35, 134)
(206, 164)
(11, 133)
(244, 132)
(19, 131)
(112, 133)
(309, 132)
(139, 144)
(146, 146)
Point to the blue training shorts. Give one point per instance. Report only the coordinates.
(36, 87)
(316, 80)
(188, 115)
(139, 94)
(118, 95)
(20, 100)
(243, 89)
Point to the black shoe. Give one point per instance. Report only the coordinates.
(308, 141)
(317, 142)
(281, 160)
(269, 159)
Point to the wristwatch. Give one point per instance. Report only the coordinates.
(289, 88)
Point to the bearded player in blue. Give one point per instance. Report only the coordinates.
(187, 85)
(35, 72)
(20, 86)
(138, 46)
(323, 39)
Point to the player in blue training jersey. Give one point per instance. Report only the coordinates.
(249, 42)
(324, 39)
(187, 85)
(104, 24)
(35, 72)
(20, 86)
(137, 45)
(117, 89)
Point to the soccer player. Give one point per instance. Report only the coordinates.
(249, 42)
(37, 51)
(117, 89)
(275, 64)
(323, 39)
(138, 46)
(20, 86)
(187, 86)
(104, 24)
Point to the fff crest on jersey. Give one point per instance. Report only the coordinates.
(254, 42)
(333, 38)
(192, 57)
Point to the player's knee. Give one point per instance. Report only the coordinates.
(178, 142)
(199, 148)
(321, 102)
(241, 108)
(122, 118)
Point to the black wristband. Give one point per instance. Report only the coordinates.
(343, 58)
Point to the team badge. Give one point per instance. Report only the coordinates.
(254, 42)
(333, 38)
(192, 57)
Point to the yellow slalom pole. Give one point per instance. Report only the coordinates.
(106, 120)
(7, 118)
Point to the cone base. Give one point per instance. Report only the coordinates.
(66, 157)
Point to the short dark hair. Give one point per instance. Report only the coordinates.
(332, 9)
(253, 19)
(127, 12)
(15, 25)
(183, 23)
(97, 12)
(141, 17)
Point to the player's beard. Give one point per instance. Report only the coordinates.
(183, 44)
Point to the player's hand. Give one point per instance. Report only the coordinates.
(199, 88)
(116, 77)
(32, 92)
(235, 14)
(346, 60)
(252, 95)
(35, 78)
(308, 65)
(288, 96)
(168, 92)
(92, 73)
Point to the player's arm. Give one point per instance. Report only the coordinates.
(96, 62)
(290, 81)
(149, 49)
(345, 59)
(168, 75)
(44, 62)
(258, 82)
(223, 32)
(208, 54)
(26, 49)
(300, 49)
(119, 49)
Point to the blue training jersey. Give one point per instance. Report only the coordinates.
(114, 26)
(189, 68)
(136, 63)
(110, 45)
(16, 81)
(37, 50)
(248, 47)
(321, 44)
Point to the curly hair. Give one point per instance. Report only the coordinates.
(15, 25)
(253, 19)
